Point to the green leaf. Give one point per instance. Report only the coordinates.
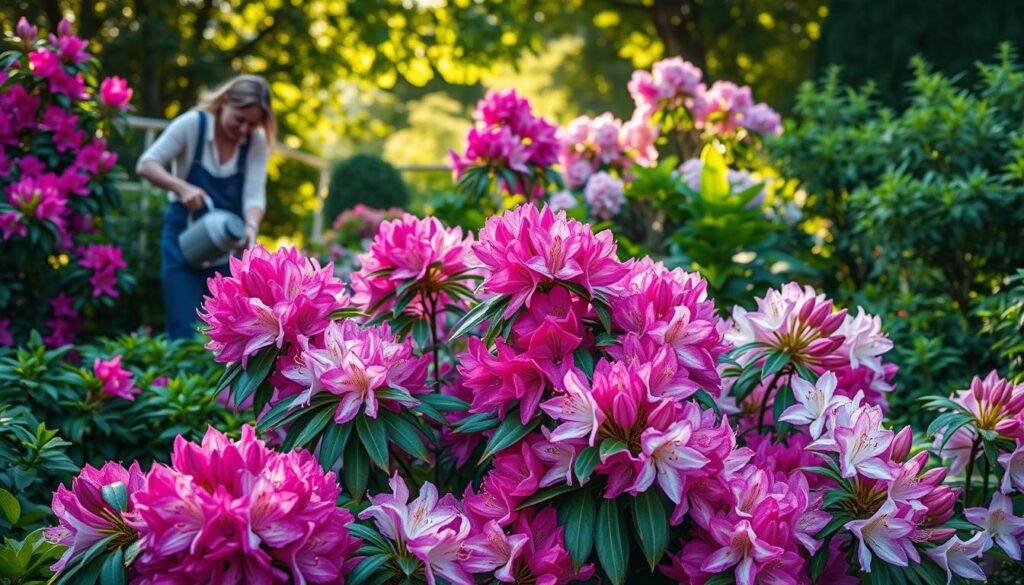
(952, 429)
(375, 438)
(277, 414)
(477, 315)
(444, 403)
(368, 535)
(838, 521)
(366, 567)
(477, 422)
(116, 495)
(585, 462)
(775, 361)
(356, 469)
(707, 401)
(783, 399)
(251, 378)
(332, 444)
(403, 434)
(819, 560)
(835, 497)
(510, 431)
(612, 541)
(575, 288)
(960, 524)
(584, 361)
(546, 494)
(651, 523)
(827, 473)
(113, 571)
(228, 376)
(578, 514)
(310, 429)
(10, 506)
(610, 447)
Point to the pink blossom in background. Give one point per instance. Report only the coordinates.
(405, 249)
(115, 93)
(72, 49)
(561, 200)
(104, 260)
(65, 324)
(238, 512)
(268, 299)
(604, 194)
(762, 119)
(11, 225)
(43, 62)
(116, 381)
(6, 337)
(84, 516)
(25, 32)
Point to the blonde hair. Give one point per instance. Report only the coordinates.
(243, 91)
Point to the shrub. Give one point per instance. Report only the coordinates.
(364, 179)
(57, 177)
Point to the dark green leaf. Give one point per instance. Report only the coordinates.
(10, 506)
(585, 462)
(510, 431)
(113, 570)
(251, 378)
(477, 422)
(366, 567)
(404, 435)
(612, 541)
(545, 495)
(611, 446)
(332, 444)
(651, 523)
(356, 469)
(775, 361)
(375, 438)
(444, 403)
(584, 361)
(578, 514)
(306, 429)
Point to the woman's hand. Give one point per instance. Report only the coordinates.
(251, 233)
(192, 197)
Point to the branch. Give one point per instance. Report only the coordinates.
(244, 49)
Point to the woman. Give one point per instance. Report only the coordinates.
(218, 153)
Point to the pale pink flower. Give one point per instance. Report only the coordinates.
(577, 409)
(493, 551)
(955, 555)
(1013, 478)
(862, 443)
(863, 340)
(814, 402)
(999, 524)
(739, 547)
(670, 458)
(887, 535)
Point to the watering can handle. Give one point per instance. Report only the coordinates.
(209, 207)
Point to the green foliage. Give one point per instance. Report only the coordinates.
(921, 211)
(177, 395)
(27, 562)
(1003, 318)
(32, 463)
(365, 179)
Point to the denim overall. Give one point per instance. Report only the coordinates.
(183, 286)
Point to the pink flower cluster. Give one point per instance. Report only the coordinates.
(104, 261)
(508, 135)
(353, 363)
(236, 512)
(267, 300)
(526, 249)
(591, 144)
(360, 223)
(410, 249)
(723, 108)
(65, 324)
(454, 544)
(115, 380)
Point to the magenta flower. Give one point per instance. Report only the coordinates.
(43, 62)
(6, 337)
(739, 547)
(669, 458)
(116, 381)
(86, 518)
(115, 93)
(410, 249)
(493, 551)
(526, 248)
(25, 32)
(104, 261)
(235, 511)
(861, 443)
(269, 299)
(814, 402)
(576, 407)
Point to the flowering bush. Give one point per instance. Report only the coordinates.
(57, 182)
(350, 234)
(557, 413)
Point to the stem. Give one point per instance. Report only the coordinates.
(970, 470)
(764, 400)
(984, 492)
(435, 345)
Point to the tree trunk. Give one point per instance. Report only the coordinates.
(678, 25)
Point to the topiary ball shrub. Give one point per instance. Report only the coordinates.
(366, 179)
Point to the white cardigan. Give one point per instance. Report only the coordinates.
(177, 145)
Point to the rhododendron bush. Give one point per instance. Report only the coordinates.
(662, 181)
(519, 405)
(57, 181)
